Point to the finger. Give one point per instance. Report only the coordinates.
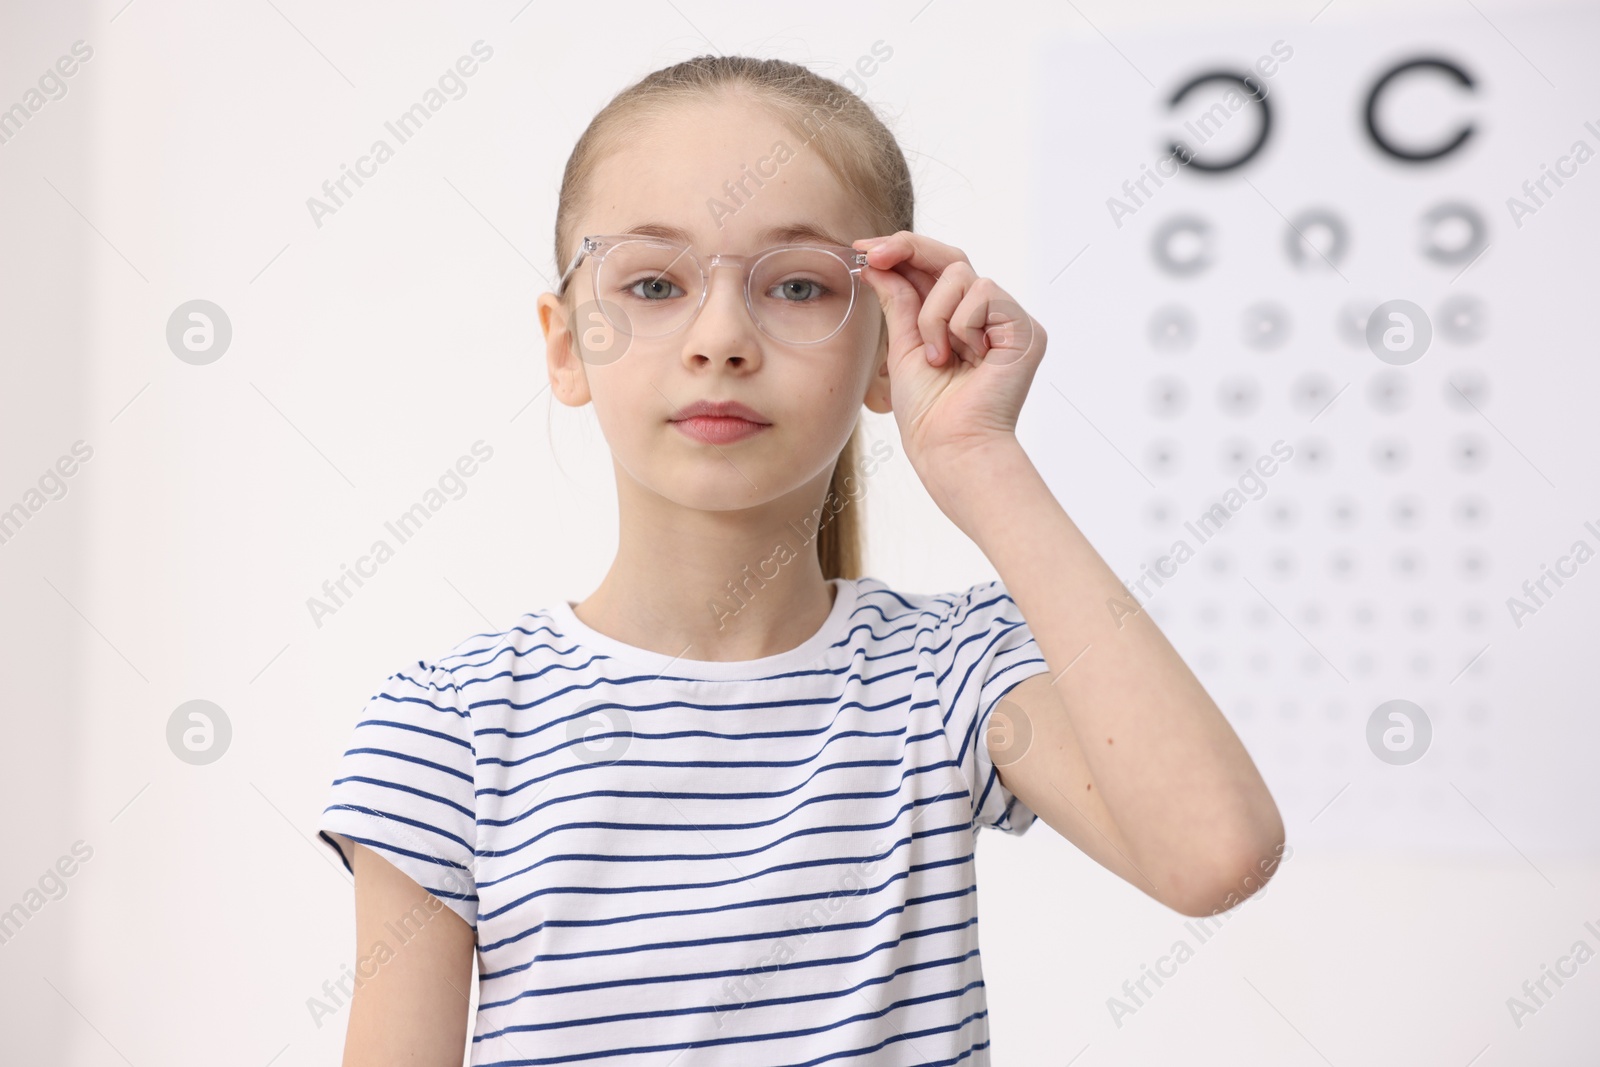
(918, 250)
(970, 323)
(934, 320)
(996, 326)
(900, 302)
(920, 279)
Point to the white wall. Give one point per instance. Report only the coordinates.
(367, 354)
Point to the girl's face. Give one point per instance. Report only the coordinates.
(809, 395)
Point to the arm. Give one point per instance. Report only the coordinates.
(412, 1005)
(1129, 756)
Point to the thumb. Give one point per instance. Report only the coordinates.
(901, 305)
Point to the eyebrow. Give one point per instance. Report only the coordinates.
(789, 233)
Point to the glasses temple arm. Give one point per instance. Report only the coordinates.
(583, 250)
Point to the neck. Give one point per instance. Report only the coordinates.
(713, 585)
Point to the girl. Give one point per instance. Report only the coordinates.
(722, 811)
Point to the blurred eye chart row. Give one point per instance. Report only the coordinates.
(1327, 309)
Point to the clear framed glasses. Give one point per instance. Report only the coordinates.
(799, 294)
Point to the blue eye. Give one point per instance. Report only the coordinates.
(654, 287)
(809, 290)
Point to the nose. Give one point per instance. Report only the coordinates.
(722, 331)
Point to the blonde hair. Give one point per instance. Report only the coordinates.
(825, 115)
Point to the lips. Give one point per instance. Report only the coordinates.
(718, 422)
(719, 409)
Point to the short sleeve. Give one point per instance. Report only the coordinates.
(981, 648)
(405, 786)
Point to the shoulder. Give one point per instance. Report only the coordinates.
(533, 639)
(935, 617)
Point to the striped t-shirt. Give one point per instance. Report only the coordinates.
(686, 862)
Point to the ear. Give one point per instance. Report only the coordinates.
(569, 380)
(877, 398)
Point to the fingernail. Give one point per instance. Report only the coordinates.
(930, 353)
(870, 242)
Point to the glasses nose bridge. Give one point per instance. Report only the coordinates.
(727, 259)
(739, 263)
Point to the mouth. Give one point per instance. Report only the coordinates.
(718, 422)
(718, 429)
(719, 409)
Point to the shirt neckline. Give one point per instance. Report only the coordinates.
(809, 651)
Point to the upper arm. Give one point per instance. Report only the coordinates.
(414, 998)
(978, 646)
(1038, 757)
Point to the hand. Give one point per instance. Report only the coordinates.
(961, 355)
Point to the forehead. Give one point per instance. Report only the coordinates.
(729, 173)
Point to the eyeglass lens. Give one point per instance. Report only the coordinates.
(799, 295)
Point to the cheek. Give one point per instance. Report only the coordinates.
(853, 354)
(833, 384)
(622, 403)
(833, 398)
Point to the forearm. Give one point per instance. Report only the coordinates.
(1171, 770)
